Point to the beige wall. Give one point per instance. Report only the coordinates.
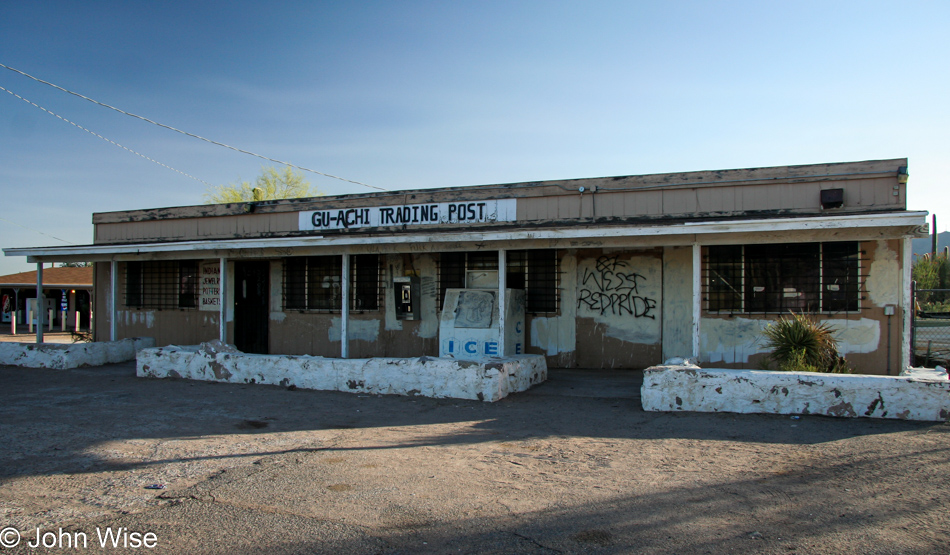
(620, 307)
(793, 190)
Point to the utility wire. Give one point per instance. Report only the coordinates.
(105, 139)
(37, 79)
(37, 231)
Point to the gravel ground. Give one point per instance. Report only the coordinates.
(572, 466)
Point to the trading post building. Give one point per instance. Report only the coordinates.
(615, 272)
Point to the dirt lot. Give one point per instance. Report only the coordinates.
(573, 466)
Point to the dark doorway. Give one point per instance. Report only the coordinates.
(251, 310)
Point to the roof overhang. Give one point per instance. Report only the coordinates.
(903, 224)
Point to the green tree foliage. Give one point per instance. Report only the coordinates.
(270, 185)
(803, 344)
(932, 272)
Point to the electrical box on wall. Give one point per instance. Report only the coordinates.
(407, 298)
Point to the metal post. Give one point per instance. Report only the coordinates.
(39, 302)
(697, 297)
(345, 309)
(113, 298)
(223, 296)
(913, 320)
(13, 323)
(502, 301)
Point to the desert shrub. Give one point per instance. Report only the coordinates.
(801, 343)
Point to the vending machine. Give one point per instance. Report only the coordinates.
(470, 328)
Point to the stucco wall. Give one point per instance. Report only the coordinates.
(737, 342)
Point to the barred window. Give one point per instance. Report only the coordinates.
(161, 284)
(316, 283)
(799, 277)
(535, 271)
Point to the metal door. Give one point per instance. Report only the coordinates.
(251, 305)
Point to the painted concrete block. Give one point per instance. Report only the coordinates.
(486, 380)
(62, 356)
(911, 397)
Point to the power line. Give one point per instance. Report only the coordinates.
(187, 133)
(105, 139)
(37, 231)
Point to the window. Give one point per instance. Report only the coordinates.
(161, 284)
(798, 277)
(316, 282)
(535, 271)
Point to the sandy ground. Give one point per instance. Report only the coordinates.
(572, 466)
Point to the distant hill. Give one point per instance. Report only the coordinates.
(923, 245)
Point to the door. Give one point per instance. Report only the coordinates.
(251, 305)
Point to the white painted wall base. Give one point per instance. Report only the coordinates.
(62, 356)
(486, 380)
(679, 388)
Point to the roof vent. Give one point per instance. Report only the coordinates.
(832, 198)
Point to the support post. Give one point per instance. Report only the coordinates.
(502, 285)
(39, 302)
(907, 302)
(113, 297)
(697, 296)
(223, 300)
(51, 313)
(345, 309)
(13, 323)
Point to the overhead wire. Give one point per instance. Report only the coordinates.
(37, 231)
(104, 138)
(103, 104)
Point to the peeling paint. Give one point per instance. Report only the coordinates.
(64, 356)
(677, 301)
(884, 277)
(624, 294)
(429, 377)
(734, 340)
(278, 317)
(756, 391)
(428, 272)
(392, 268)
(359, 330)
(731, 340)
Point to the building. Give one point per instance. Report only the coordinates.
(618, 272)
(66, 290)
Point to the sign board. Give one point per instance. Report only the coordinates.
(445, 213)
(209, 281)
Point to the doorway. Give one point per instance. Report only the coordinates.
(251, 305)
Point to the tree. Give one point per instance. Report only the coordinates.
(271, 184)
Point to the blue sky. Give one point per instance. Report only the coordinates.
(433, 94)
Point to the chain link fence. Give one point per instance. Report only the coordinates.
(930, 333)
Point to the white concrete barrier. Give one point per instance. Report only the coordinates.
(488, 380)
(916, 396)
(62, 356)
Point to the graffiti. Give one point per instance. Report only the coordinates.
(613, 288)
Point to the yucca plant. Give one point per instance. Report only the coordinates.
(802, 343)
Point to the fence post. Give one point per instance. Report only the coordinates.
(913, 320)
